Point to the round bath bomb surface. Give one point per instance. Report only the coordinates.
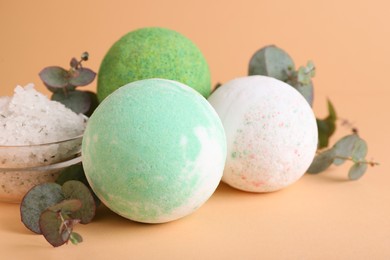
(153, 53)
(271, 133)
(154, 150)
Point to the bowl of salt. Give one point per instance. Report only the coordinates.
(38, 139)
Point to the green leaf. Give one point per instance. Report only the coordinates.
(338, 161)
(357, 171)
(85, 56)
(332, 112)
(77, 190)
(73, 63)
(75, 238)
(52, 227)
(359, 151)
(305, 74)
(74, 172)
(274, 62)
(271, 61)
(345, 146)
(66, 206)
(77, 101)
(307, 91)
(350, 146)
(69, 88)
(94, 103)
(321, 162)
(37, 200)
(82, 77)
(326, 127)
(325, 131)
(54, 77)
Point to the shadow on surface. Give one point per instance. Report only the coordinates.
(330, 176)
(225, 190)
(105, 216)
(11, 222)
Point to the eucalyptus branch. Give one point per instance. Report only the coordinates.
(349, 158)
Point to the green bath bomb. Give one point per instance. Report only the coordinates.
(154, 151)
(153, 53)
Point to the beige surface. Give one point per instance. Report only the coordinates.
(319, 217)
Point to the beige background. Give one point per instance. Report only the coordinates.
(319, 217)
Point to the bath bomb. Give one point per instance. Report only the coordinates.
(153, 53)
(271, 133)
(154, 150)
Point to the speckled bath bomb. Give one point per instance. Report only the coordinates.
(154, 150)
(271, 133)
(153, 53)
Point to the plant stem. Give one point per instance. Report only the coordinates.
(371, 163)
(63, 223)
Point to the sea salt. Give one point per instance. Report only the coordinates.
(37, 137)
(29, 117)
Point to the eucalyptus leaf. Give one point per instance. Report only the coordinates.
(85, 56)
(65, 234)
(73, 63)
(306, 73)
(52, 227)
(302, 76)
(321, 162)
(68, 89)
(332, 112)
(325, 131)
(94, 103)
(326, 127)
(74, 172)
(345, 146)
(82, 77)
(54, 77)
(66, 206)
(274, 62)
(338, 161)
(357, 170)
(359, 151)
(350, 146)
(37, 200)
(307, 91)
(301, 81)
(271, 61)
(75, 238)
(77, 190)
(78, 101)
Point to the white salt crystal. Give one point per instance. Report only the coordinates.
(29, 117)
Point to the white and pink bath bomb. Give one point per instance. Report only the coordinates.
(271, 133)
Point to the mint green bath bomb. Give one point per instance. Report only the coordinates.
(154, 150)
(153, 53)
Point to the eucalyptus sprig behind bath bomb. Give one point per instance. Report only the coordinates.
(63, 83)
(274, 62)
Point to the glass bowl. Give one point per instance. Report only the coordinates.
(24, 166)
